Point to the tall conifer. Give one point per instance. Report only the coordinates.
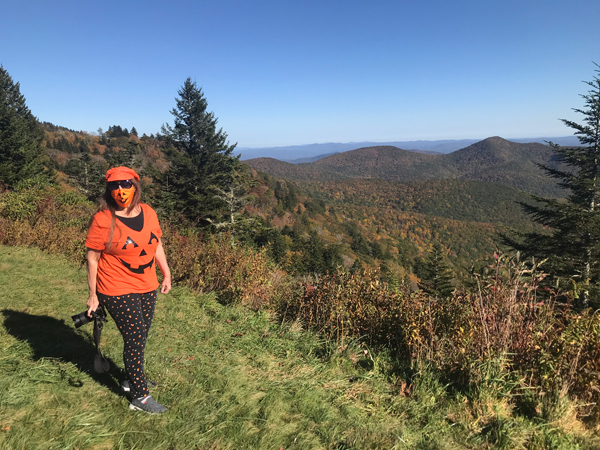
(22, 155)
(436, 278)
(201, 157)
(573, 244)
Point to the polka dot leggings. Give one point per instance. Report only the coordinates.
(133, 314)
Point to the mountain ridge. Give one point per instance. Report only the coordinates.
(292, 152)
(494, 159)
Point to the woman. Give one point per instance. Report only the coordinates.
(123, 242)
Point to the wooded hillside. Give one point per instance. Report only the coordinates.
(493, 160)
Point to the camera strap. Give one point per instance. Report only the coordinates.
(100, 363)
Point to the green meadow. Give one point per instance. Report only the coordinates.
(232, 378)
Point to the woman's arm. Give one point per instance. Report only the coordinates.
(161, 260)
(93, 256)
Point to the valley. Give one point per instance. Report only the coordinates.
(377, 206)
(402, 202)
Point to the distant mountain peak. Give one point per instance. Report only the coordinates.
(495, 140)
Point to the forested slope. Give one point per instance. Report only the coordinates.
(493, 160)
(453, 199)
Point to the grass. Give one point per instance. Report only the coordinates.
(232, 379)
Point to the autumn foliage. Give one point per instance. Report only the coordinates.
(504, 334)
(56, 221)
(218, 263)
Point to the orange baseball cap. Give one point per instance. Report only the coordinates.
(121, 173)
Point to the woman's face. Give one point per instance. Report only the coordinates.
(122, 192)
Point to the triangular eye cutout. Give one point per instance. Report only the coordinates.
(152, 236)
(143, 253)
(130, 241)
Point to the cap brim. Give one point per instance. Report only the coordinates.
(120, 176)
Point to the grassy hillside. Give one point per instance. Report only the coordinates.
(232, 378)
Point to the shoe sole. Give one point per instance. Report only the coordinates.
(135, 408)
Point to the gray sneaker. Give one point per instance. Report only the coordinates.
(147, 404)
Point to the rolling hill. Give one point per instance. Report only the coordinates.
(308, 151)
(493, 160)
(497, 160)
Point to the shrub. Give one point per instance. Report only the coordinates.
(505, 337)
(218, 263)
(56, 220)
(47, 217)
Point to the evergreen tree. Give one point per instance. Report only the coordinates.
(573, 244)
(125, 157)
(278, 246)
(201, 159)
(319, 258)
(87, 174)
(359, 244)
(84, 148)
(290, 199)
(102, 135)
(271, 239)
(116, 131)
(234, 200)
(22, 155)
(435, 275)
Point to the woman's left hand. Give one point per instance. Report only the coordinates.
(166, 285)
(161, 260)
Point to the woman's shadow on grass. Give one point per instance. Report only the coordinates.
(52, 338)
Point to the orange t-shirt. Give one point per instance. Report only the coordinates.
(128, 267)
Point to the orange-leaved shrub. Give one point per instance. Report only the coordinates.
(506, 334)
(220, 263)
(347, 305)
(47, 217)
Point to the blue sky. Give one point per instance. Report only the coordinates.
(299, 72)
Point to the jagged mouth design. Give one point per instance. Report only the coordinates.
(140, 269)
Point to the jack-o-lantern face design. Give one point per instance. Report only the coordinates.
(140, 269)
(129, 241)
(142, 266)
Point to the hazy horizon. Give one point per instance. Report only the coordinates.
(301, 153)
(407, 140)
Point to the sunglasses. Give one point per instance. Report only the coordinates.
(124, 184)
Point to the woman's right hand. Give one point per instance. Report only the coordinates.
(92, 304)
(92, 256)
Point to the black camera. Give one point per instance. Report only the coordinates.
(101, 365)
(82, 318)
